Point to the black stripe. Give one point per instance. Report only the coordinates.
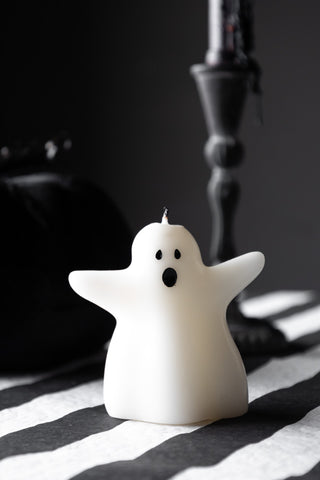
(313, 474)
(307, 341)
(52, 435)
(294, 310)
(213, 443)
(12, 397)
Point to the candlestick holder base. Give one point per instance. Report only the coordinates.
(254, 335)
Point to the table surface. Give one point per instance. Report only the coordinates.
(53, 424)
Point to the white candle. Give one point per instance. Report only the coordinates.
(171, 358)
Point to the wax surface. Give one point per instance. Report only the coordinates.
(171, 358)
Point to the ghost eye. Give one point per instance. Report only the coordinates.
(159, 255)
(177, 253)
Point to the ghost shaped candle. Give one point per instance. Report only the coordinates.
(171, 358)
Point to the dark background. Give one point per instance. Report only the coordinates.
(116, 76)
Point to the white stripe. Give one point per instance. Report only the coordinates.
(50, 407)
(300, 324)
(16, 380)
(283, 373)
(275, 302)
(292, 451)
(126, 441)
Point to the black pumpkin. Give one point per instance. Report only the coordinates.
(52, 224)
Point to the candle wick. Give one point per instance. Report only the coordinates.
(165, 215)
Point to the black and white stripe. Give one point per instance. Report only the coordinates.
(54, 426)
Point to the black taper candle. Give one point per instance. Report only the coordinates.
(230, 30)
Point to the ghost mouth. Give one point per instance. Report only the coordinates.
(169, 277)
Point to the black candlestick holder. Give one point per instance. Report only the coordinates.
(223, 84)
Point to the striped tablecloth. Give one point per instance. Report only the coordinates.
(53, 425)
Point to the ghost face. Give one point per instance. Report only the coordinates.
(166, 255)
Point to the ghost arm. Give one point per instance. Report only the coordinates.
(104, 288)
(234, 275)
